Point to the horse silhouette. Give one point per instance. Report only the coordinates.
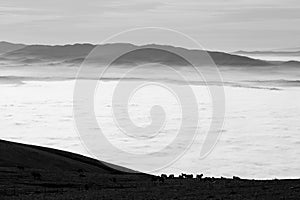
(189, 176)
(199, 176)
(171, 176)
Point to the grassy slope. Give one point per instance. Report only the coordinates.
(28, 156)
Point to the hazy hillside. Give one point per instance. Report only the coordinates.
(6, 47)
(52, 52)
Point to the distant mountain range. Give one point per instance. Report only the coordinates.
(292, 49)
(76, 53)
(283, 53)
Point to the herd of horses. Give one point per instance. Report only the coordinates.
(161, 178)
(164, 177)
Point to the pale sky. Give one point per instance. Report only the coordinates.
(216, 24)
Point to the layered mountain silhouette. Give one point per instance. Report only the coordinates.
(76, 53)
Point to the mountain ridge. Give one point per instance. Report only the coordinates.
(77, 52)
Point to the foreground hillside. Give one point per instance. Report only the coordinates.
(30, 172)
(42, 158)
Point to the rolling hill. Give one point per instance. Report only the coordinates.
(35, 157)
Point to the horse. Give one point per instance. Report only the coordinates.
(171, 176)
(189, 176)
(199, 176)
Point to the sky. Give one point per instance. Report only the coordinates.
(226, 25)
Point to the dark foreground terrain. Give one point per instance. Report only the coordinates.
(29, 172)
